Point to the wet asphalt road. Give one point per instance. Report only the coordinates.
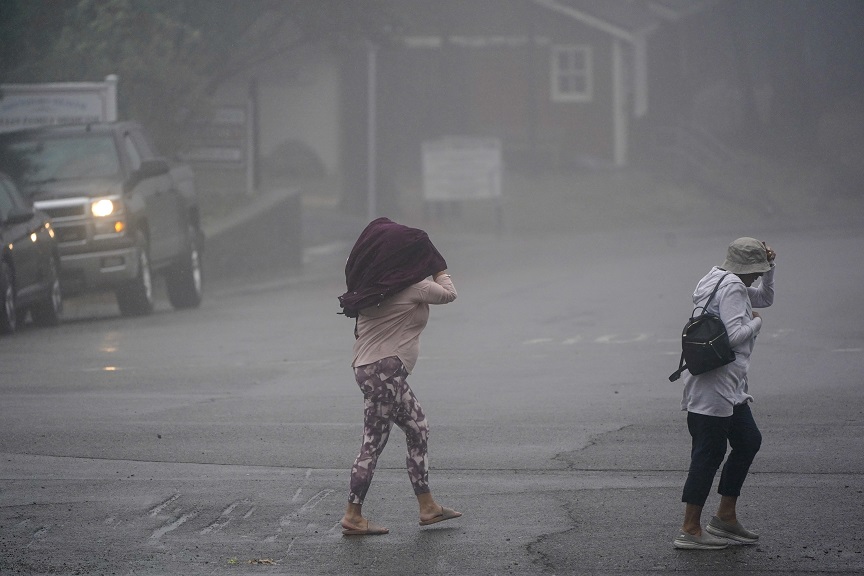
(218, 441)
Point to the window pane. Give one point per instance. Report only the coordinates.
(571, 73)
(132, 152)
(5, 203)
(578, 84)
(565, 61)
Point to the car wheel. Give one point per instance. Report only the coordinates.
(8, 314)
(48, 310)
(135, 298)
(185, 279)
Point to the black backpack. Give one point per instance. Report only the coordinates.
(704, 341)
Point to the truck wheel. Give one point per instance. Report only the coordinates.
(185, 279)
(8, 314)
(48, 310)
(135, 298)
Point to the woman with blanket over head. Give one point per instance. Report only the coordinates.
(389, 292)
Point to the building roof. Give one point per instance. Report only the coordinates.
(626, 18)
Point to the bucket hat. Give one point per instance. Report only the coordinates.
(746, 256)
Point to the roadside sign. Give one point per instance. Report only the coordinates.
(461, 168)
(222, 139)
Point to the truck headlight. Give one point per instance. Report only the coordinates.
(102, 207)
(108, 217)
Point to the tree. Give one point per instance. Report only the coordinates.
(27, 32)
(159, 61)
(170, 55)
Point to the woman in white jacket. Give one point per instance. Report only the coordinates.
(717, 402)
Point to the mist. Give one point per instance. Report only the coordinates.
(652, 112)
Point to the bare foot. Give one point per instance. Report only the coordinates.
(361, 527)
(439, 516)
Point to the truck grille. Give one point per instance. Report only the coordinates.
(70, 218)
(56, 212)
(66, 234)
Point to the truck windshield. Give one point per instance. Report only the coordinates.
(43, 159)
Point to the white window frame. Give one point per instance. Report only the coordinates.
(580, 65)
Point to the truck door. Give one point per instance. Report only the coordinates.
(161, 200)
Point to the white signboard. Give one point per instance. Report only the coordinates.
(221, 139)
(31, 105)
(461, 168)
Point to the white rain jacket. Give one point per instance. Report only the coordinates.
(716, 392)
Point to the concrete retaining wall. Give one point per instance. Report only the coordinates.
(263, 238)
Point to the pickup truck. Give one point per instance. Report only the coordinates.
(121, 212)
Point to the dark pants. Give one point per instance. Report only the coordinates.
(710, 434)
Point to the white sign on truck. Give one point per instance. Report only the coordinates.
(33, 105)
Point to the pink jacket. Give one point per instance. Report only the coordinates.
(393, 327)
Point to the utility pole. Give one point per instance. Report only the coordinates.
(371, 131)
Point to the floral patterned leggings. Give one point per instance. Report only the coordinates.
(389, 400)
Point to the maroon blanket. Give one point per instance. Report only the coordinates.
(387, 258)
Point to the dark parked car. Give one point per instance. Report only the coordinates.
(29, 263)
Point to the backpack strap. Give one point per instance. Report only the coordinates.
(681, 366)
(713, 292)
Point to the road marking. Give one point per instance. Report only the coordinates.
(223, 519)
(618, 339)
(325, 249)
(286, 520)
(631, 338)
(315, 500)
(615, 338)
(155, 511)
(173, 525)
(216, 525)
